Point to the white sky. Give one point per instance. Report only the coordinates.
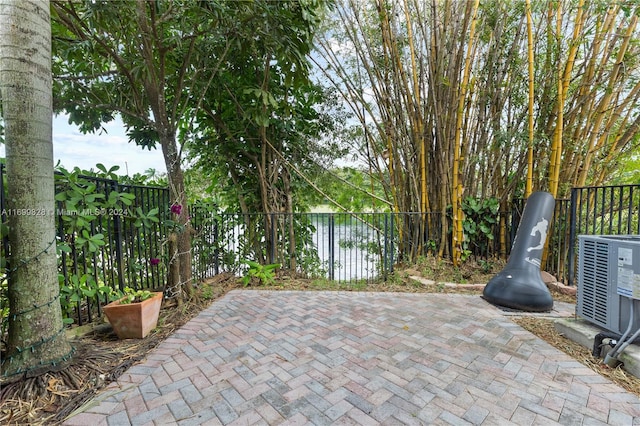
(112, 148)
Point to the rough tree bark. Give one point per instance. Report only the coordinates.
(36, 341)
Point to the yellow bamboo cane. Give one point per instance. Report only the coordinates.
(556, 148)
(456, 199)
(529, 186)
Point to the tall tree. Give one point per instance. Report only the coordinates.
(36, 340)
(264, 117)
(156, 63)
(262, 107)
(150, 62)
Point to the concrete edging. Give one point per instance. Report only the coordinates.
(582, 332)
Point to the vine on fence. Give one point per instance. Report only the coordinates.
(89, 207)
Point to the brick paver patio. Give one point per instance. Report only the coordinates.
(268, 357)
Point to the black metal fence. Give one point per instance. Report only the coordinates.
(601, 210)
(107, 241)
(127, 247)
(123, 246)
(107, 238)
(334, 246)
(205, 223)
(367, 246)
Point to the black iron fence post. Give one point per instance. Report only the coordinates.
(117, 239)
(572, 236)
(392, 248)
(216, 244)
(272, 237)
(331, 230)
(385, 260)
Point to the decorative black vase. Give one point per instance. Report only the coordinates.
(519, 285)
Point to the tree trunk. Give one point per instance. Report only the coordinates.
(180, 256)
(36, 341)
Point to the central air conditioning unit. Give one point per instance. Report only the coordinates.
(608, 277)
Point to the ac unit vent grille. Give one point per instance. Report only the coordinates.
(594, 280)
(608, 266)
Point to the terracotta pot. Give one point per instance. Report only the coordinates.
(134, 320)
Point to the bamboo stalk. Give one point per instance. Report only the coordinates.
(530, 57)
(597, 138)
(457, 184)
(556, 147)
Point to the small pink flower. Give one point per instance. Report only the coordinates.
(154, 261)
(176, 209)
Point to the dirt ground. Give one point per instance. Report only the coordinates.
(101, 357)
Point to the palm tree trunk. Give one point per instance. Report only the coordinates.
(36, 341)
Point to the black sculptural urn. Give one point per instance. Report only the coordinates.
(519, 285)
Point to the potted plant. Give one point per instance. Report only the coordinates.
(135, 314)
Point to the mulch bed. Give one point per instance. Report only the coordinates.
(100, 358)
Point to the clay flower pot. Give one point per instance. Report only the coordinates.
(134, 320)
